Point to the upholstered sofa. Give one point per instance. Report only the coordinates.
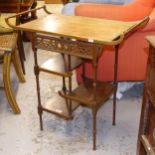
(69, 8)
(133, 52)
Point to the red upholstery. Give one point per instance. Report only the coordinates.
(134, 11)
(133, 52)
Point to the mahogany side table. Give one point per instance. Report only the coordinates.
(77, 36)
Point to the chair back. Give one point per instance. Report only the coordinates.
(10, 6)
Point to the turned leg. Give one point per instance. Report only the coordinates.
(16, 62)
(115, 84)
(36, 71)
(94, 111)
(94, 128)
(7, 83)
(40, 111)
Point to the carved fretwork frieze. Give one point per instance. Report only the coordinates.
(68, 46)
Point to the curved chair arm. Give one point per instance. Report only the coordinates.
(25, 12)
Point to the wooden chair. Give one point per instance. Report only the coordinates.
(16, 6)
(9, 40)
(8, 52)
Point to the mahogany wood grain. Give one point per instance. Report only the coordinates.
(82, 28)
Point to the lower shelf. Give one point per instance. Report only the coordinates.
(85, 93)
(58, 106)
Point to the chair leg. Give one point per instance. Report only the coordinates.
(7, 83)
(94, 128)
(16, 62)
(21, 51)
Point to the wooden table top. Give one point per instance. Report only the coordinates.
(82, 28)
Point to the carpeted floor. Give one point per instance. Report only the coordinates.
(20, 134)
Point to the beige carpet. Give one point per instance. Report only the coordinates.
(20, 134)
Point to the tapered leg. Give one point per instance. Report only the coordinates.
(36, 71)
(114, 106)
(64, 82)
(16, 62)
(7, 83)
(94, 128)
(115, 84)
(39, 98)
